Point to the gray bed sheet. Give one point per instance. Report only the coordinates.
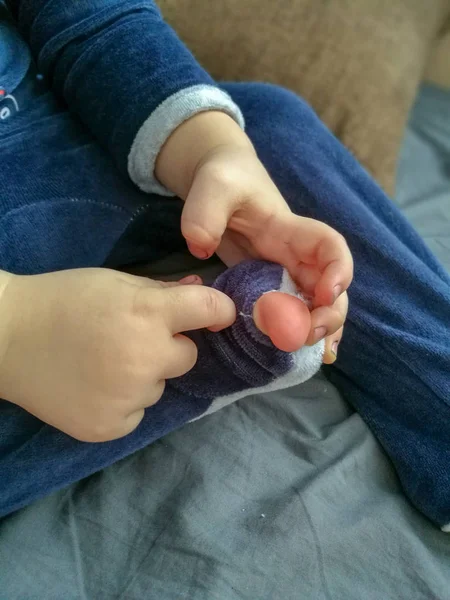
(284, 496)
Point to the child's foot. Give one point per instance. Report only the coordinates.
(286, 320)
(264, 349)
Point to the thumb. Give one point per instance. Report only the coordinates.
(205, 215)
(189, 307)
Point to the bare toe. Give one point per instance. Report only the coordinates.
(284, 318)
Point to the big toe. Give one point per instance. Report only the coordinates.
(284, 318)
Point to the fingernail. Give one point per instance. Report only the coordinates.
(319, 333)
(337, 291)
(334, 347)
(189, 279)
(198, 252)
(216, 328)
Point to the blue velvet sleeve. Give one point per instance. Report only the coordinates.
(113, 61)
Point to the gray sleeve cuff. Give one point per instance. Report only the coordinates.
(163, 121)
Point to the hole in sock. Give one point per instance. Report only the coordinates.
(285, 319)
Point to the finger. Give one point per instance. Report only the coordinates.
(191, 280)
(151, 396)
(234, 249)
(326, 250)
(188, 280)
(165, 284)
(336, 263)
(306, 278)
(183, 356)
(205, 215)
(132, 421)
(189, 307)
(326, 320)
(331, 347)
(284, 318)
(157, 283)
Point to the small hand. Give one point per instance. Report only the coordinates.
(234, 208)
(89, 349)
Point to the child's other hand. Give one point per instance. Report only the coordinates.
(233, 208)
(88, 350)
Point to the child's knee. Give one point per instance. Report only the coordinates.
(270, 104)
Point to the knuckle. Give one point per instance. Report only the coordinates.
(181, 359)
(226, 180)
(174, 300)
(132, 422)
(157, 392)
(97, 431)
(217, 174)
(105, 426)
(193, 355)
(141, 305)
(190, 357)
(211, 303)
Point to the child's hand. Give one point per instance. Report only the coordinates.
(88, 350)
(232, 207)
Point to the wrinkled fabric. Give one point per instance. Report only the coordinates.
(280, 496)
(393, 362)
(81, 49)
(230, 364)
(70, 208)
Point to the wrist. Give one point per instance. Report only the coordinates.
(192, 143)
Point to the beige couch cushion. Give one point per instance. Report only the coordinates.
(357, 62)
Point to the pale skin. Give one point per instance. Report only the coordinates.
(232, 207)
(75, 345)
